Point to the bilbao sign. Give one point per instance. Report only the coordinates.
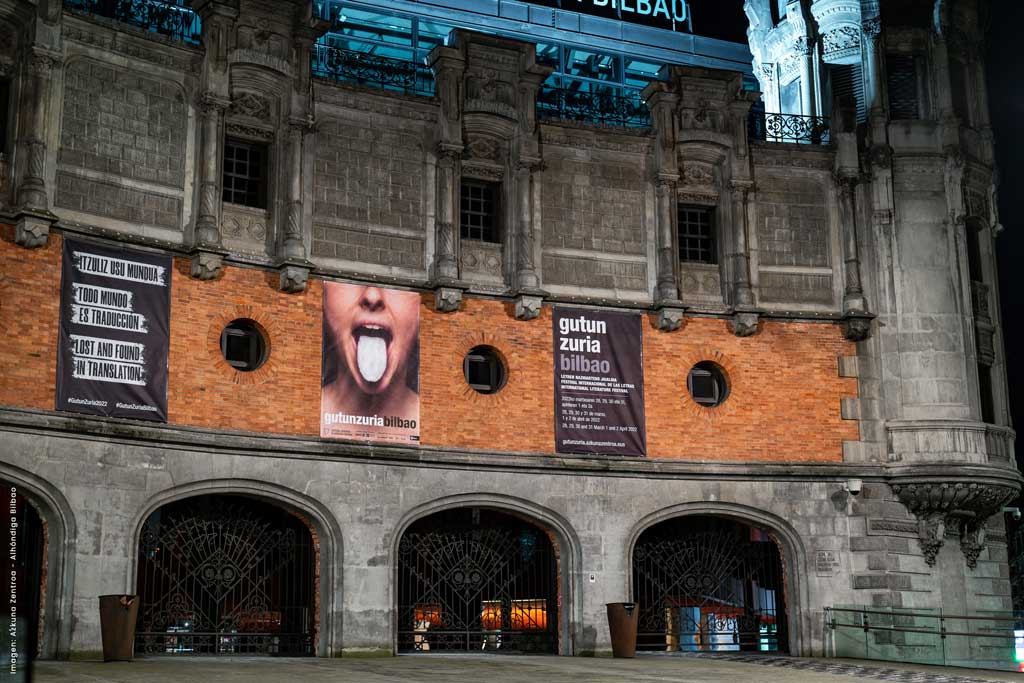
(668, 14)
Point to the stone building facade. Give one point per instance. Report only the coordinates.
(851, 306)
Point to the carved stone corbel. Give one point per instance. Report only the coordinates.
(856, 325)
(744, 323)
(447, 299)
(963, 505)
(528, 306)
(294, 278)
(670, 319)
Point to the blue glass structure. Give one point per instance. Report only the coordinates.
(590, 53)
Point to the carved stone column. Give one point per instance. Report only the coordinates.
(870, 30)
(744, 322)
(530, 297)
(295, 267)
(805, 48)
(34, 219)
(663, 99)
(448, 65)
(857, 320)
(207, 260)
(446, 258)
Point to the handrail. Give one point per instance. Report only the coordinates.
(921, 614)
(368, 69)
(166, 18)
(605, 108)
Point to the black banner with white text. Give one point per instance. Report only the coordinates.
(599, 382)
(114, 332)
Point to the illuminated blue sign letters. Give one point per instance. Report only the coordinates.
(668, 10)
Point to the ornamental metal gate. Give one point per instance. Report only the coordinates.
(225, 575)
(706, 584)
(477, 580)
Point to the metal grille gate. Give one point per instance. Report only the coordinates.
(225, 575)
(705, 584)
(472, 579)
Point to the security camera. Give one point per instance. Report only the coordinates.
(854, 486)
(1014, 512)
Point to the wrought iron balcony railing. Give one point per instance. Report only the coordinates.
(164, 18)
(623, 111)
(792, 128)
(372, 70)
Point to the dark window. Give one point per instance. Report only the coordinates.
(245, 173)
(5, 107)
(707, 384)
(988, 408)
(778, 8)
(484, 370)
(244, 345)
(697, 235)
(904, 92)
(478, 217)
(847, 80)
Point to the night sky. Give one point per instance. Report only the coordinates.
(1006, 99)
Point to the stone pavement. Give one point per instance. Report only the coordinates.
(508, 669)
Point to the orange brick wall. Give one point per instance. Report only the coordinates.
(29, 307)
(784, 403)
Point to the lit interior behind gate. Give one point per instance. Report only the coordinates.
(709, 584)
(477, 580)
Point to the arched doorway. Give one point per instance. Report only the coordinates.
(709, 584)
(226, 575)
(475, 579)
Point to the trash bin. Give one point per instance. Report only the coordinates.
(117, 624)
(622, 618)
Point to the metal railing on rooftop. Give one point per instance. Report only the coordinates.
(792, 128)
(164, 18)
(367, 69)
(925, 636)
(622, 111)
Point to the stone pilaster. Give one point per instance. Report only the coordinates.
(207, 259)
(33, 219)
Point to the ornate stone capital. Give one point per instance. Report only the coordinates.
(872, 27)
(211, 103)
(42, 64)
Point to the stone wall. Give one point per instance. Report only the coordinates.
(122, 137)
(794, 240)
(369, 194)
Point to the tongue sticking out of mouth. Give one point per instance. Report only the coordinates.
(372, 357)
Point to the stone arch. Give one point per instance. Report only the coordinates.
(794, 556)
(323, 523)
(565, 537)
(55, 511)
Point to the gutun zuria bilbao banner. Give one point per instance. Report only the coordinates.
(371, 361)
(599, 382)
(114, 332)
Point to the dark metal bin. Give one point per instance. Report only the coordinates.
(117, 624)
(622, 620)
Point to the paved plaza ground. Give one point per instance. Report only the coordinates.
(508, 669)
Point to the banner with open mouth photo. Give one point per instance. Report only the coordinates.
(371, 363)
